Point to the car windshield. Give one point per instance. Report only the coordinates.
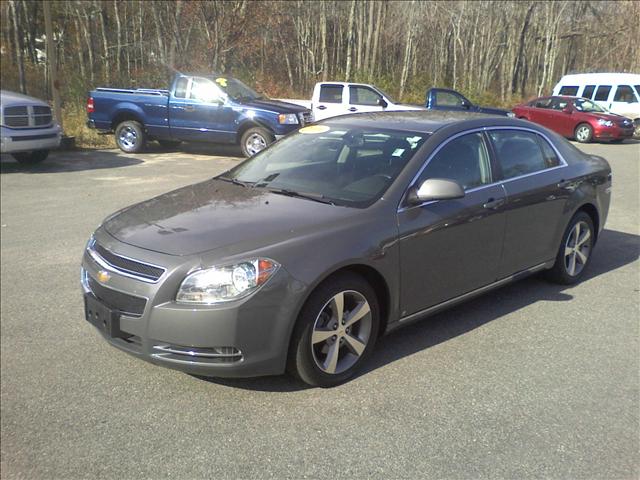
(236, 89)
(351, 166)
(584, 105)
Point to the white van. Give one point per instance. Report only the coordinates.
(617, 92)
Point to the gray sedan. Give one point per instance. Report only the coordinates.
(299, 258)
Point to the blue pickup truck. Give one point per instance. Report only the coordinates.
(447, 99)
(197, 108)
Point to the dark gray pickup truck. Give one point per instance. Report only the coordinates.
(447, 99)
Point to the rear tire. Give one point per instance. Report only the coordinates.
(130, 136)
(31, 158)
(575, 250)
(254, 140)
(335, 332)
(583, 133)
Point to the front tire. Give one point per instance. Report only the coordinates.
(583, 133)
(130, 136)
(335, 332)
(31, 158)
(575, 250)
(255, 140)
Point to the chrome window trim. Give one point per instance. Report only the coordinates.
(563, 163)
(126, 273)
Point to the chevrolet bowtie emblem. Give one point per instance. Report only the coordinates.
(103, 277)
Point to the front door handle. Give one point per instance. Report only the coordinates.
(322, 107)
(494, 203)
(353, 109)
(189, 108)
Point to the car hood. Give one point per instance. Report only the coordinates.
(274, 105)
(608, 116)
(8, 99)
(214, 214)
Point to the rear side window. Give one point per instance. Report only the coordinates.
(521, 153)
(331, 93)
(602, 94)
(588, 91)
(363, 96)
(624, 93)
(558, 103)
(464, 159)
(569, 90)
(181, 87)
(542, 103)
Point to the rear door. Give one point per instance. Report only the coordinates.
(451, 247)
(561, 121)
(537, 191)
(331, 101)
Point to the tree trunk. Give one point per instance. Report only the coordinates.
(17, 36)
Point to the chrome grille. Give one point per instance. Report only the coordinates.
(124, 265)
(27, 116)
(305, 117)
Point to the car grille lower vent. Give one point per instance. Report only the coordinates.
(129, 266)
(198, 355)
(122, 302)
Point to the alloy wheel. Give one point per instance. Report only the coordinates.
(583, 133)
(255, 143)
(341, 332)
(577, 248)
(127, 137)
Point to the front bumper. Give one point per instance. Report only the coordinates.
(244, 338)
(14, 140)
(612, 133)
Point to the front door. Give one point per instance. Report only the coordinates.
(364, 99)
(202, 114)
(451, 247)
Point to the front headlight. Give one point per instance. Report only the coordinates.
(226, 283)
(511, 114)
(288, 119)
(605, 123)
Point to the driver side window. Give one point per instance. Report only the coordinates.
(464, 159)
(448, 99)
(204, 90)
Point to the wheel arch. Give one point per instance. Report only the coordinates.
(124, 115)
(591, 210)
(246, 125)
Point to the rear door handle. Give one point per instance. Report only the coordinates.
(494, 203)
(322, 107)
(353, 109)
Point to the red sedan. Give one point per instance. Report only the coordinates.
(577, 118)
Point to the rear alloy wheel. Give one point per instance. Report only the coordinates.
(583, 133)
(575, 251)
(335, 333)
(254, 140)
(636, 128)
(130, 136)
(31, 158)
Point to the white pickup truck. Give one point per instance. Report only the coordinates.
(340, 98)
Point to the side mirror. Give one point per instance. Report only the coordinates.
(435, 189)
(465, 104)
(382, 103)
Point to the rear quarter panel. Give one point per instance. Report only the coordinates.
(150, 110)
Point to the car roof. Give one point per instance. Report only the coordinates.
(607, 77)
(417, 120)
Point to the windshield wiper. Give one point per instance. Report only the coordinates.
(316, 197)
(234, 181)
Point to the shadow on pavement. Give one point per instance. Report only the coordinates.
(70, 161)
(614, 250)
(214, 149)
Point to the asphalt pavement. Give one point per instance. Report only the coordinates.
(532, 380)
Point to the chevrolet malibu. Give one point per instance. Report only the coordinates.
(299, 258)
